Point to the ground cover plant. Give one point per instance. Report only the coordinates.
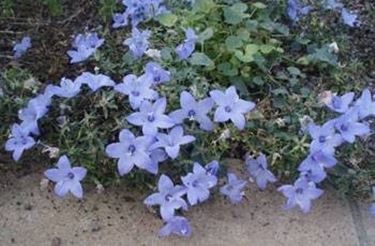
(164, 93)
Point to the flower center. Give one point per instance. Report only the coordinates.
(322, 139)
(157, 78)
(299, 190)
(151, 117)
(228, 109)
(344, 127)
(191, 113)
(131, 149)
(135, 93)
(70, 175)
(168, 197)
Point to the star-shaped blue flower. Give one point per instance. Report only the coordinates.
(193, 110)
(300, 194)
(185, 49)
(168, 198)
(364, 105)
(158, 74)
(21, 48)
(349, 127)
(67, 88)
(177, 225)
(131, 151)
(151, 117)
(138, 43)
(94, 81)
(67, 179)
(231, 107)
(84, 46)
(257, 168)
(324, 137)
(341, 104)
(19, 141)
(234, 188)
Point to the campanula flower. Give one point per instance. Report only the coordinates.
(231, 107)
(349, 127)
(257, 168)
(295, 10)
(212, 167)
(139, 11)
(131, 151)
(187, 48)
(21, 48)
(193, 110)
(67, 179)
(168, 198)
(300, 194)
(324, 137)
(177, 225)
(364, 105)
(234, 188)
(349, 18)
(94, 81)
(312, 171)
(158, 74)
(341, 104)
(67, 88)
(138, 43)
(84, 46)
(151, 117)
(198, 184)
(19, 141)
(120, 20)
(323, 158)
(171, 142)
(138, 89)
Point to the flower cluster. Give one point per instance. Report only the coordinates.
(138, 11)
(351, 123)
(84, 45)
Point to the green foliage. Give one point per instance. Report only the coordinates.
(54, 6)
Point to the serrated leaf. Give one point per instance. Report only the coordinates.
(200, 59)
(167, 19)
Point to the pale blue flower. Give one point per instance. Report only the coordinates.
(67, 88)
(193, 110)
(342, 103)
(158, 74)
(295, 10)
(131, 151)
(187, 48)
(312, 171)
(168, 198)
(324, 137)
(231, 107)
(198, 184)
(324, 158)
(94, 81)
(151, 117)
(120, 20)
(21, 48)
(138, 43)
(212, 167)
(171, 142)
(234, 188)
(19, 141)
(364, 105)
(138, 89)
(300, 194)
(349, 127)
(257, 168)
(177, 225)
(67, 179)
(84, 46)
(349, 18)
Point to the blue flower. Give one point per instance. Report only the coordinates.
(19, 141)
(364, 105)
(341, 104)
(171, 142)
(212, 167)
(94, 81)
(151, 117)
(349, 18)
(138, 89)
(234, 188)
(21, 48)
(132, 151)
(158, 74)
(67, 179)
(295, 10)
(349, 127)
(198, 184)
(84, 46)
(138, 43)
(300, 194)
(168, 198)
(231, 107)
(185, 49)
(320, 157)
(67, 88)
(324, 137)
(120, 20)
(312, 171)
(193, 110)
(257, 168)
(177, 225)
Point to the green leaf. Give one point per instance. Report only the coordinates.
(294, 71)
(167, 19)
(259, 5)
(248, 55)
(227, 69)
(233, 42)
(236, 13)
(205, 35)
(200, 59)
(204, 6)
